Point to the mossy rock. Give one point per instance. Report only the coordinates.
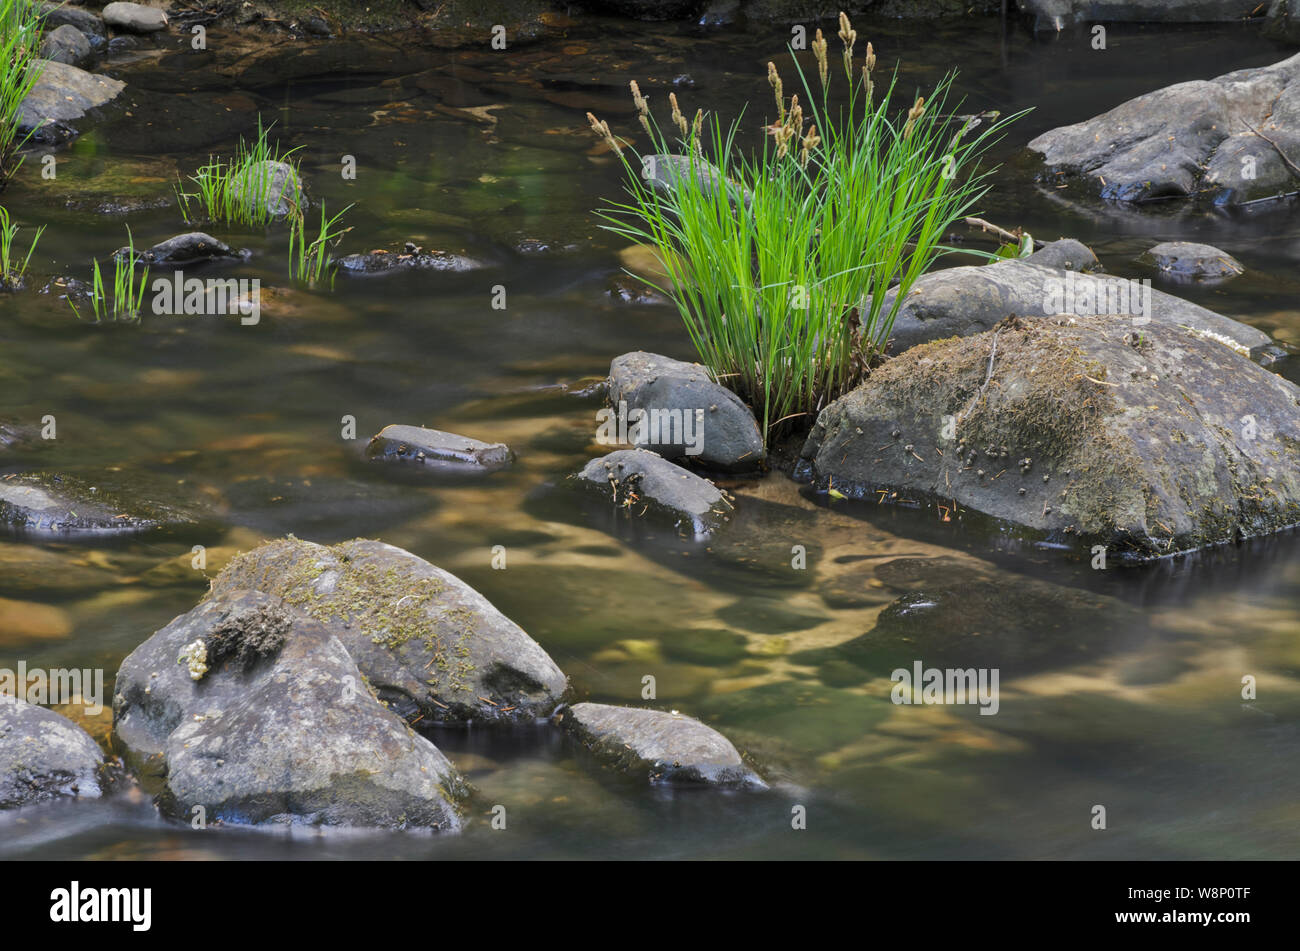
(429, 643)
(1076, 432)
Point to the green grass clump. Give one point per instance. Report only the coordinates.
(310, 261)
(127, 297)
(779, 258)
(20, 40)
(240, 191)
(12, 268)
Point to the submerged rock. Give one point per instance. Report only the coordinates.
(188, 248)
(48, 503)
(1079, 432)
(274, 187)
(661, 747)
(1187, 261)
(63, 95)
(684, 412)
(44, 756)
(410, 258)
(256, 713)
(424, 639)
(135, 17)
(961, 301)
(433, 447)
(639, 481)
(1223, 139)
(65, 44)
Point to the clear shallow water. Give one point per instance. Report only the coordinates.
(1118, 688)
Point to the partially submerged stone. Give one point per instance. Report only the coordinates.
(1189, 261)
(60, 98)
(276, 725)
(410, 258)
(1229, 139)
(961, 301)
(44, 756)
(1078, 432)
(424, 639)
(666, 173)
(659, 746)
(639, 481)
(48, 503)
(434, 447)
(675, 409)
(189, 248)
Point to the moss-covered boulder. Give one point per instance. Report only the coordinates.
(44, 756)
(428, 643)
(1077, 431)
(247, 711)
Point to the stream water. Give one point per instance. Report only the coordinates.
(1119, 688)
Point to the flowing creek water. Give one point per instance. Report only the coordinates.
(1119, 687)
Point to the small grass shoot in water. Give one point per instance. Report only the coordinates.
(242, 191)
(11, 268)
(310, 261)
(779, 260)
(127, 299)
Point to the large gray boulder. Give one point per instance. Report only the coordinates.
(44, 756)
(1076, 431)
(253, 713)
(1232, 139)
(960, 301)
(425, 640)
(684, 412)
(55, 15)
(658, 746)
(60, 98)
(642, 482)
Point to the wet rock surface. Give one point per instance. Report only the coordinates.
(425, 640)
(678, 399)
(411, 258)
(61, 98)
(275, 187)
(659, 746)
(641, 482)
(960, 301)
(190, 248)
(1079, 432)
(438, 449)
(1056, 14)
(48, 503)
(44, 756)
(1188, 261)
(135, 17)
(65, 44)
(84, 21)
(1227, 139)
(255, 713)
